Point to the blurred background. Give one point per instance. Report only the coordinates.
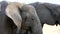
(47, 29)
(31, 1)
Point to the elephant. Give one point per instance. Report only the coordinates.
(48, 13)
(29, 17)
(12, 11)
(55, 10)
(24, 17)
(31, 20)
(6, 24)
(43, 13)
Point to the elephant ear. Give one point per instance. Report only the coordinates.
(13, 12)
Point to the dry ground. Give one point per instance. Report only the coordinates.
(48, 29)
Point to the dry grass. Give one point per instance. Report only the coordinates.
(47, 29)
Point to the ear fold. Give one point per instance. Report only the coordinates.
(13, 13)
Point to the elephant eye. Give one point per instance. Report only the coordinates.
(25, 18)
(32, 19)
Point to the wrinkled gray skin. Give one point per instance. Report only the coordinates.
(31, 21)
(43, 13)
(48, 13)
(55, 11)
(6, 24)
